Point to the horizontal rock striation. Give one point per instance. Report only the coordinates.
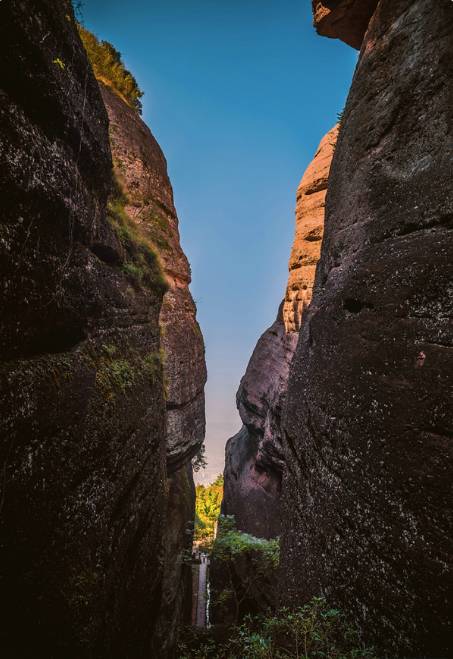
(311, 195)
(367, 493)
(254, 459)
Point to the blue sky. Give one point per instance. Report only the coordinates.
(238, 93)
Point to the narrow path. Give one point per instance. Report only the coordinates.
(200, 619)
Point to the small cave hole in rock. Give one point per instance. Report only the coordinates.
(355, 306)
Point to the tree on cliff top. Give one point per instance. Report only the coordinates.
(108, 67)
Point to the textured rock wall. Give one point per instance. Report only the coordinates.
(141, 168)
(343, 19)
(254, 460)
(82, 417)
(311, 196)
(91, 526)
(367, 497)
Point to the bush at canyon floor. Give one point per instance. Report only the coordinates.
(312, 631)
(243, 574)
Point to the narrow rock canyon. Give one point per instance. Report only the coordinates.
(339, 480)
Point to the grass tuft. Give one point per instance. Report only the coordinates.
(109, 68)
(141, 263)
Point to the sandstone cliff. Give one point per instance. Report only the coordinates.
(254, 460)
(367, 496)
(311, 195)
(141, 170)
(86, 498)
(343, 19)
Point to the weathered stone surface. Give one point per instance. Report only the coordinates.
(311, 195)
(343, 19)
(176, 603)
(142, 169)
(251, 493)
(93, 529)
(185, 375)
(254, 460)
(241, 583)
(82, 418)
(367, 496)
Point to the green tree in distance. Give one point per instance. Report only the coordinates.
(207, 510)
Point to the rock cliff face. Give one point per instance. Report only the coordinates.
(254, 460)
(311, 196)
(343, 19)
(367, 493)
(85, 497)
(141, 169)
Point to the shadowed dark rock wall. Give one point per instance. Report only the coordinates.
(90, 523)
(367, 496)
(82, 420)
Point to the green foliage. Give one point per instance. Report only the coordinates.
(59, 62)
(109, 349)
(109, 68)
(115, 374)
(313, 631)
(230, 542)
(243, 573)
(153, 364)
(207, 508)
(141, 263)
(156, 225)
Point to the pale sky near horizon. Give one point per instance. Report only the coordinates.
(238, 95)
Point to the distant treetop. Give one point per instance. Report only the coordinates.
(109, 69)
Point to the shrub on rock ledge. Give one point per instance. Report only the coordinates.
(243, 574)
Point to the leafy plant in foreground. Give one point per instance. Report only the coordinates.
(313, 631)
